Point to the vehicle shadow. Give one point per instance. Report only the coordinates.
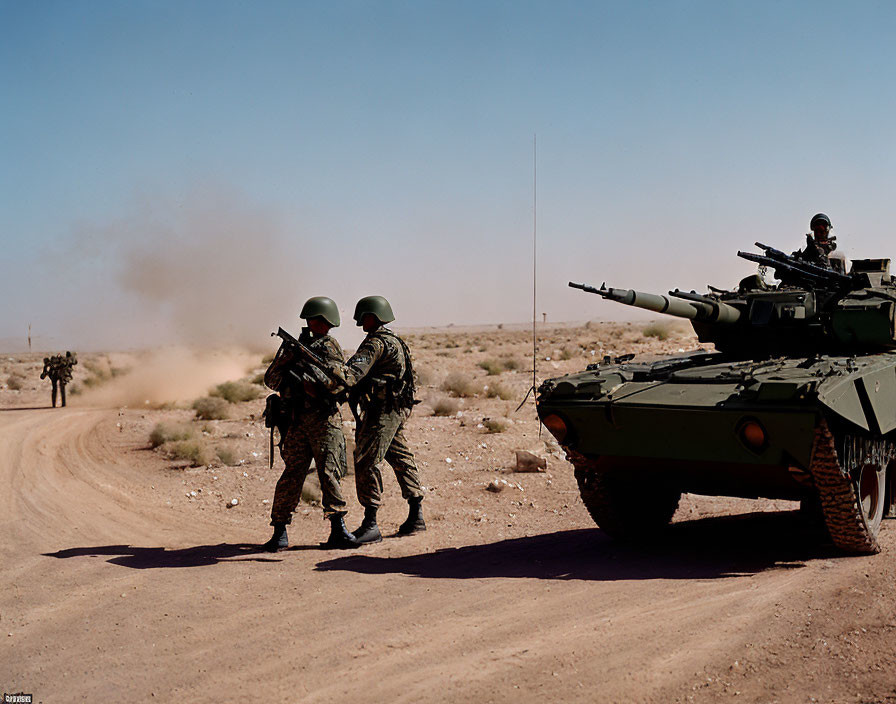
(161, 557)
(708, 548)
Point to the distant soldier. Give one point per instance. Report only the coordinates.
(820, 245)
(59, 369)
(311, 427)
(380, 380)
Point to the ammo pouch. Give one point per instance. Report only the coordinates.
(273, 411)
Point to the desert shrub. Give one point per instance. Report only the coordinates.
(196, 452)
(498, 390)
(15, 382)
(494, 425)
(496, 366)
(167, 432)
(100, 371)
(566, 353)
(73, 389)
(210, 408)
(458, 384)
(236, 391)
(658, 330)
(258, 379)
(227, 455)
(510, 364)
(445, 407)
(491, 366)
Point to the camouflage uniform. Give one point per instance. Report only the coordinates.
(374, 374)
(313, 430)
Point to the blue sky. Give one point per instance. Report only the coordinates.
(168, 166)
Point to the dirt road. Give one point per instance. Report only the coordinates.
(111, 592)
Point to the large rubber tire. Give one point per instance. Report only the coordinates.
(624, 504)
(853, 500)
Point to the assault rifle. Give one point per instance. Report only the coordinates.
(791, 270)
(314, 369)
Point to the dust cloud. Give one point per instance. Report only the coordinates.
(205, 270)
(218, 270)
(192, 285)
(167, 375)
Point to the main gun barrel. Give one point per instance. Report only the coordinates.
(696, 308)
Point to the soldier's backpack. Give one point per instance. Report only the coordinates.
(404, 389)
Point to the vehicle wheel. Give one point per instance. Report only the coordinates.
(625, 504)
(871, 487)
(890, 502)
(850, 475)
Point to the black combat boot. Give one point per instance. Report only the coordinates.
(368, 531)
(414, 522)
(279, 540)
(340, 538)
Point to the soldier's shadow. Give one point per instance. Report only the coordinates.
(142, 558)
(708, 548)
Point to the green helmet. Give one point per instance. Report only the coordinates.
(378, 306)
(820, 218)
(323, 307)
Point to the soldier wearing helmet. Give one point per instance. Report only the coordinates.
(820, 245)
(310, 427)
(380, 380)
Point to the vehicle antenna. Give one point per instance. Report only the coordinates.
(534, 257)
(534, 388)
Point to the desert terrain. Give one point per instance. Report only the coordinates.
(130, 568)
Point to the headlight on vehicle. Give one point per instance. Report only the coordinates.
(752, 435)
(556, 425)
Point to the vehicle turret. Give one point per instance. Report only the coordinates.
(814, 308)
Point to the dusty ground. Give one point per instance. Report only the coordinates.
(127, 578)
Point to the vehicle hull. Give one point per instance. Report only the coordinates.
(790, 428)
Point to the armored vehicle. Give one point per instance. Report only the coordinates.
(798, 402)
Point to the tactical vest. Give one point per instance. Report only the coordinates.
(394, 392)
(295, 400)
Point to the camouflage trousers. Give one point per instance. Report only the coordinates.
(317, 436)
(61, 385)
(381, 437)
